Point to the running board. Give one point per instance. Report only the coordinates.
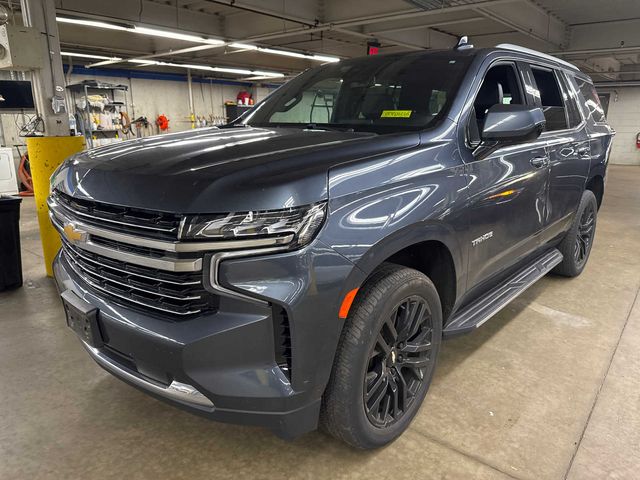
(488, 305)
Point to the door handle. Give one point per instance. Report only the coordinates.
(584, 151)
(539, 162)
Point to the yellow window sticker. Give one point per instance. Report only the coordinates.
(396, 113)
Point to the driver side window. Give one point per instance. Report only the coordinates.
(500, 86)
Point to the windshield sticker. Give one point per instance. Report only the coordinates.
(396, 113)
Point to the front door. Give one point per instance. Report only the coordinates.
(507, 189)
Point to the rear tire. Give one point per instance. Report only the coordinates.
(576, 245)
(385, 358)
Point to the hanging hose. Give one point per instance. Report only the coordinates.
(25, 176)
(125, 121)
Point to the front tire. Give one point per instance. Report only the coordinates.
(576, 245)
(385, 358)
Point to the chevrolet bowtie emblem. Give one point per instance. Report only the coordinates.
(72, 233)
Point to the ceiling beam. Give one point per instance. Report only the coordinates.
(428, 25)
(596, 70)
(112, 52)
(194, 5)
(371, 19)
(597, 51)
(413, 13)
(624, 83)
(370, 36)
(340, 27)
(554, 30)
(196, 48)
(264, 11)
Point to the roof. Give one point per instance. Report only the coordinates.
(535, 53)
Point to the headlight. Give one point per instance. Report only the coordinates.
(301, 223)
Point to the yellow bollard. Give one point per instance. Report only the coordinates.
(45, 154)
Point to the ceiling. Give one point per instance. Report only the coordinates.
(603, 38)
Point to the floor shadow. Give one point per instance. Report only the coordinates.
(456, 349)
(171, 426)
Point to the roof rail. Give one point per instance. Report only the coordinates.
(535, 53)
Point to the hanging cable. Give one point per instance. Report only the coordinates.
(33, 127)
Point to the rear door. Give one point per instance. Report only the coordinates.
(600, 134)
(567, 145)
(507, 189)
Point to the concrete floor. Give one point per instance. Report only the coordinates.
(548, 389)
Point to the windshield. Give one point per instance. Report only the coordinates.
(380, 94)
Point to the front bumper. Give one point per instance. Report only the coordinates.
(176, 391)
(223, 364)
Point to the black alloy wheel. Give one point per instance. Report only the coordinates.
(578, 241)
(385, 359)
(398, 362)
(584, 236)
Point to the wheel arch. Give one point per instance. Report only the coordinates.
(432, 258)
(434, 252)
(596, 185)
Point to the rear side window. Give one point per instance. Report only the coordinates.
(551, 98)
(591, 100)
(570, 100)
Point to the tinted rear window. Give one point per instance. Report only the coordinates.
(591, 100)
(551, 98)
(571, 98)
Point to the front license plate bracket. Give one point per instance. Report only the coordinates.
(82, 318)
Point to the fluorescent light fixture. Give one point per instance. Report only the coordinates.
(176, 36)
(286, 53)
(195, 39)
(143, 30)
(244, 46)
(143, 62)
(88, 55)
(324, 58)
(261, 73)
(239, 71)
(91, 23)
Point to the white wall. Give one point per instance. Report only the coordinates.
(151, 98)
(624, 116)
(155, 97)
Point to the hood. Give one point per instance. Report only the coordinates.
(219, 170)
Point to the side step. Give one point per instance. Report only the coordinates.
(484, 308)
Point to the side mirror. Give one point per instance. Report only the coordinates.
(512, 124)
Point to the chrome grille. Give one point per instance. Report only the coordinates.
(135, 258)
(173, 293)
(129, 256)
(128, 220)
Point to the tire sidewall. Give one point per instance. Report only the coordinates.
(420, 286)
(588, 198)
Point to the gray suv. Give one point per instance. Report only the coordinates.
(302, 264)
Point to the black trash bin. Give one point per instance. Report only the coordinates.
(10, 259)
